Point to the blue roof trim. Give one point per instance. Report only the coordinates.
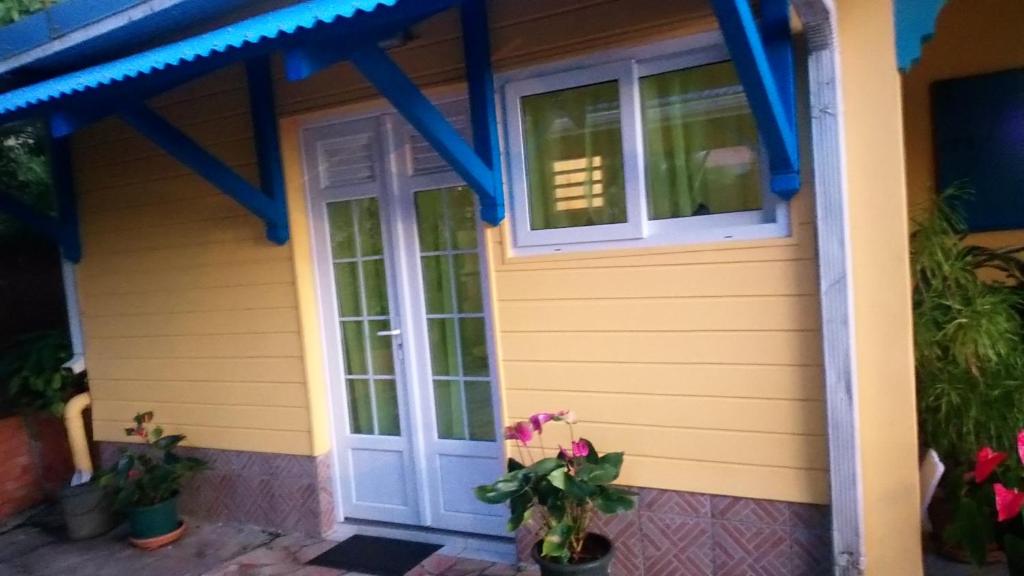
(915, 25)
(268, 26)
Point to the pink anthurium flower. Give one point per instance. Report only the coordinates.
(987, 462)
(520, 432)
(539, 419)
(580, 449)
(1008, 502)
(567, 416)
(1020, 446)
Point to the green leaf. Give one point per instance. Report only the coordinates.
(614, 460)
(591, 457)
(168, 442)
(556, 543)
(519, 507)
(547, 466)
(514, 465)
(598, 474)
(614, 500)
(971, 530)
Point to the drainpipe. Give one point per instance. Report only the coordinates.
(77, 440)
(74, 422)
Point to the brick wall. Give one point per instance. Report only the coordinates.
(24, 481)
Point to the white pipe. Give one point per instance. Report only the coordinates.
(77, 440)
(77, 362)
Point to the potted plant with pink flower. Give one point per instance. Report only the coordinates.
(567, 489)
(988, 512)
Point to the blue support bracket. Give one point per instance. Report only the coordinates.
(482, 108)
(403, 94)
(764, 61)
(62, 229)
(268, 201)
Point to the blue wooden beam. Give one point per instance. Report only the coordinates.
(68, 234)
(268, 148)
(476, 40)
(322, 50)
(178, 144)
(403, 94)
(764, 64)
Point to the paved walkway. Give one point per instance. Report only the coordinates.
(35, 546)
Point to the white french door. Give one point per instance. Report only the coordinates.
(400, 267)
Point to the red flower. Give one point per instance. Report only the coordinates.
(1008, 502)
(1020, 446)
(988, 461)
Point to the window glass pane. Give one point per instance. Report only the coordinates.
(342, 230)
(572, 142)
(368, 222)
(360, 407)
(381, 356)
(443, 350)
(431, 220)
(354, 348)
(386, 393)
(462, 215)
(480, 410)
(346, 282)
(448, 405)
(376, 287)
(701, 143)
(437, 284)
(474, 347)
(467, 278)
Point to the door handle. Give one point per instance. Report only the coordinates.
(395, 332)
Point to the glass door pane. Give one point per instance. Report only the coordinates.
(360, 280)
(450, 260)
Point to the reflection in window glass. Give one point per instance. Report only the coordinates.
(701, 143)
(450, 260)
(573, 150)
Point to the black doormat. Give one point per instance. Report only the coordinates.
(377, 556)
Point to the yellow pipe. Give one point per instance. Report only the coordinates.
(75, 425)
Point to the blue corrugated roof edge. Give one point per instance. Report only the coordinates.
(268, 26)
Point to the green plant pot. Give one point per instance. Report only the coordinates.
(596, 546)
(156, 520)
(88, 510)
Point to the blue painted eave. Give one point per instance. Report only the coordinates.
(252, 31)
(915, 25)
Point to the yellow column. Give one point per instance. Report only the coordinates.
(876, 187)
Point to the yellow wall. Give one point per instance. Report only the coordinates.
(971, 37)
(703, 363)
(187, 309)
(873, 143)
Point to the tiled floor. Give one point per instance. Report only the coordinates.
(34, 545)
(288, 555)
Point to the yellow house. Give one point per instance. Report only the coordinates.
(341, 244)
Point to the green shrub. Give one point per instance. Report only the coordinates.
(32, 378)
(967, 338)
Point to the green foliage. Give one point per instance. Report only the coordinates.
(24, 171)
(568, 488)
(14, 10)
(967, 338)
(154, 475)
(32, 378)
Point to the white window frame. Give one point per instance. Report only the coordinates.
(628, 67)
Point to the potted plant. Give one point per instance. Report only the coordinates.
(148, 482)
(969, 354)
(568, 488)
(989, 509)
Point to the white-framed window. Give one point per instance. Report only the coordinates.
(641, 147)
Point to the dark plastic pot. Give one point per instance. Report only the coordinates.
(156, 520)
(597, 546)
(88, 510)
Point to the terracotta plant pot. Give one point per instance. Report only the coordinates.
(148, 522)
(159, 541)
(597, 547)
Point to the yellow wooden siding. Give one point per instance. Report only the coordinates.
(187, 309)
(702, 362)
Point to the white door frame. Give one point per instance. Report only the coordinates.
(398, 223)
